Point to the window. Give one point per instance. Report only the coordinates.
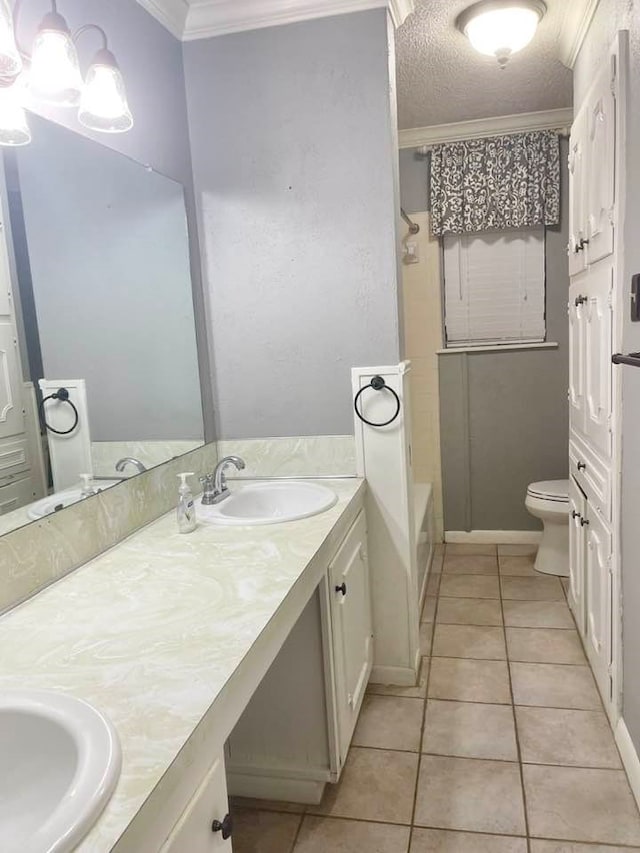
(494, 289)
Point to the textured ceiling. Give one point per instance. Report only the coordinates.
(442, 79)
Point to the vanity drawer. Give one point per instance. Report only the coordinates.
(592, 476)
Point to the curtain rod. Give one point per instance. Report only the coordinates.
(423, 150)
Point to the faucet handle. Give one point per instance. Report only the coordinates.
(209, 491)
(207, 480)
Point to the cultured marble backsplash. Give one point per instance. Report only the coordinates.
(298, 456)
(34, 556)
(43, 551)
(105, 454)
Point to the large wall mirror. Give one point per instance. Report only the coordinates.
(98, 302)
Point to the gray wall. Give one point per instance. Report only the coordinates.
(504, 416)
(109, 259)
(151, 60)
(611, 16)
(295, 169)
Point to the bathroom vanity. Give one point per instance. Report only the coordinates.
(256, 636)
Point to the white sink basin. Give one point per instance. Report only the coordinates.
(270, 503)
(59, 764)
(59, 500)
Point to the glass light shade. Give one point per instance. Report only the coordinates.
(55, 71)
(14, 129)
(502, 29)
(10, 59)
(104, 106)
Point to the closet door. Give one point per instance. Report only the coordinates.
(601, 140)
(597, 633)
(597, 342)
(577, 510)
(577, 194)
(577, 323)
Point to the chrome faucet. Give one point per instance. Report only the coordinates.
(215, 485)
(121, 464)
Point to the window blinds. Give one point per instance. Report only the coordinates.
(494, 287)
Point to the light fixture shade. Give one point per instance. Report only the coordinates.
(10, 59)
(55, 71)
(14, 129)
(501, 28)
(104, 106)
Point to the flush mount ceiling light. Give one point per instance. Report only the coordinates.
(501, 28)
(52, 75)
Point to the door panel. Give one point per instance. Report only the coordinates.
(601, 116)
(577, 322)
(577, 508)
(598, 600)
(597, 341)
(577, 201)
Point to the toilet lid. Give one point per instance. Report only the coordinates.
(550, 490)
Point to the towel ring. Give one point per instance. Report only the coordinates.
(378, 384)
(63, 396)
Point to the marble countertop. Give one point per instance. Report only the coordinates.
(153, 632)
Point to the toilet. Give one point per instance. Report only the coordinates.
(548, 500)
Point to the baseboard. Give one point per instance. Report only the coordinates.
(305, 791)
(629, 758)
(399, 676)
(493, 537)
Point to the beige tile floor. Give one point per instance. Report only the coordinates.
(502, 747)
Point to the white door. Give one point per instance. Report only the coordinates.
(577, 193)
(351, 624)
(577, 508)
(577, 323)
(205, 825)
(601, 140)
(598, 368)
(598, 601)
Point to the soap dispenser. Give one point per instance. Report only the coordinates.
(186, 506)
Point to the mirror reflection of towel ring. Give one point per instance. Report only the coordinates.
(378, 384)
(63, 396)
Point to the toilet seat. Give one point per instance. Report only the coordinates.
(550, 490)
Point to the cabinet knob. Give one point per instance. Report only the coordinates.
(580, 300)
(342, 588)
(582, 466)
(225, 827)
(575, 514)
(584, 521)
(583, 243)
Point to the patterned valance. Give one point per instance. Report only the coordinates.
(501, 182)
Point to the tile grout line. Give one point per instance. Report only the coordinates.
(515, 723)
(424, 709)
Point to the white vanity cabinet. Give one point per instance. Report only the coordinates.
(294, 735)
(205, 825)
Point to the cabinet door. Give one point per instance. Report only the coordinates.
(12, 417)
(194, 832)
(598, 330)
(577, 193)
(601, 139)
(351, 624)
(577, 322)
(598, 601)
(577, 508)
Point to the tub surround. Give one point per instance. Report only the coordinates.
(169, 636)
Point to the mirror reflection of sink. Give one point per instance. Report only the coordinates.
(270, 503)
(59, 500)
(60, 764)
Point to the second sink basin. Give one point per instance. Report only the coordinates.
(270, 503)
(60, 762)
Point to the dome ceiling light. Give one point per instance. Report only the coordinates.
(501, 28)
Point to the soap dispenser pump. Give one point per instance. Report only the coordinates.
(186, 505)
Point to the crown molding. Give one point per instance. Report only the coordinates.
(578, 15)
(172, 14)
(198, 19)
(437, 134)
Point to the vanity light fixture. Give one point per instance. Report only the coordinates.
(501, 28)
(53, 76)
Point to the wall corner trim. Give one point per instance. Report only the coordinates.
(493, 537)
(436, 134)
(199, 19)
(575, 26)
(629, 757)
